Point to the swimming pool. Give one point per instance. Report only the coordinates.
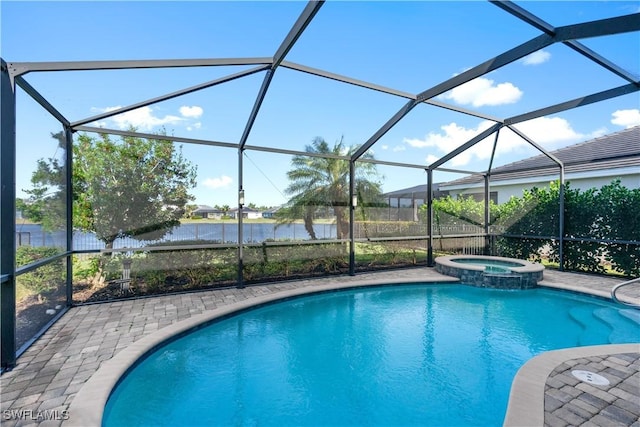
(396, 355)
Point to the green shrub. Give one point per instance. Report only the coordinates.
(45, 278)
(193, 267)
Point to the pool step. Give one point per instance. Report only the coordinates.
(593, 328)
(611, 316)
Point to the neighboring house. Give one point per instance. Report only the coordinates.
(206, 211)
(404, 204)
(246, 213)
(589, 164)
(270, 213)
(412, 196)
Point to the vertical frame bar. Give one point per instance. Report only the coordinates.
(352, 216)
(430, 217)
(7, 218)
(561, 219)
(487, 214)
(240, 233)
(68, 133)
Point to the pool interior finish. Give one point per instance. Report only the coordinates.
(487, 262)
(490, 265)
(393, 355)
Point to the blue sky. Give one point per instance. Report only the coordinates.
(409, 46)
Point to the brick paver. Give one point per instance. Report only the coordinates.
(50, 373)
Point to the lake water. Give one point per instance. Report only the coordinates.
(32, 234)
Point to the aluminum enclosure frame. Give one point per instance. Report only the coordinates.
(13, 74)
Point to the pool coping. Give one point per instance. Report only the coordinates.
(524, 266)
(89, 403)
(527, 395)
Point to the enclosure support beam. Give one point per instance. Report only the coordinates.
(602, 27)
(541, 25)
(171, 95)
(464, 147)
(538, 147)
(21, 68)
(384, 129)
(372, 86)
(7, 218)
(487, 199)
(352, 217)
(560, 193)
(561, 219)
(430, 217)
(296, 31)
(574, 103)
(487, 215)
(68, 133)
(240, 234)
(33, 93)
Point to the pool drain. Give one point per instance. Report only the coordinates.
(590, 377)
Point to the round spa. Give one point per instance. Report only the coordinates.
(491, 271)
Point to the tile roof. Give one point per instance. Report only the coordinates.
(616, 150)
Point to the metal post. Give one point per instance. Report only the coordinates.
(561, 219)
(7, 218)
(352, 210)
(487, 214)
(68, 133)
(240, 237)
(430, 217)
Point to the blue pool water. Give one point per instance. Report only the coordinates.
(487, 262)
(394, 355)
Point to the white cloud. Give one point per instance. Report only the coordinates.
(196, 125)
(482, 91)
(221, 182)
(142, 118)
(399, 148)
(549, 132)
(431, 158)
(599, 132)
(385, 147)
(536, 58)
(626, 118)
(451, 137)
(193, 111)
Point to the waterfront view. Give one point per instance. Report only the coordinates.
(219, 232)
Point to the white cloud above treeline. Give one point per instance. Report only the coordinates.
(147, 118)
(223, 181)
(482, 91)
(626, 118)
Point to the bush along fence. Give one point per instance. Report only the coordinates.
(602, 228)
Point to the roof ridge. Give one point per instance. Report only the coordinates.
(568, 147)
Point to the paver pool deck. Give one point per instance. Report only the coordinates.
(86, 349)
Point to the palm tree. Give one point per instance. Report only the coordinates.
(317, 182)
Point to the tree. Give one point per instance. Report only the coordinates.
(189, 209)
(324, 182)
(130, 187)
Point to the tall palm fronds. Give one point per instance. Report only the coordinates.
(321, 184)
